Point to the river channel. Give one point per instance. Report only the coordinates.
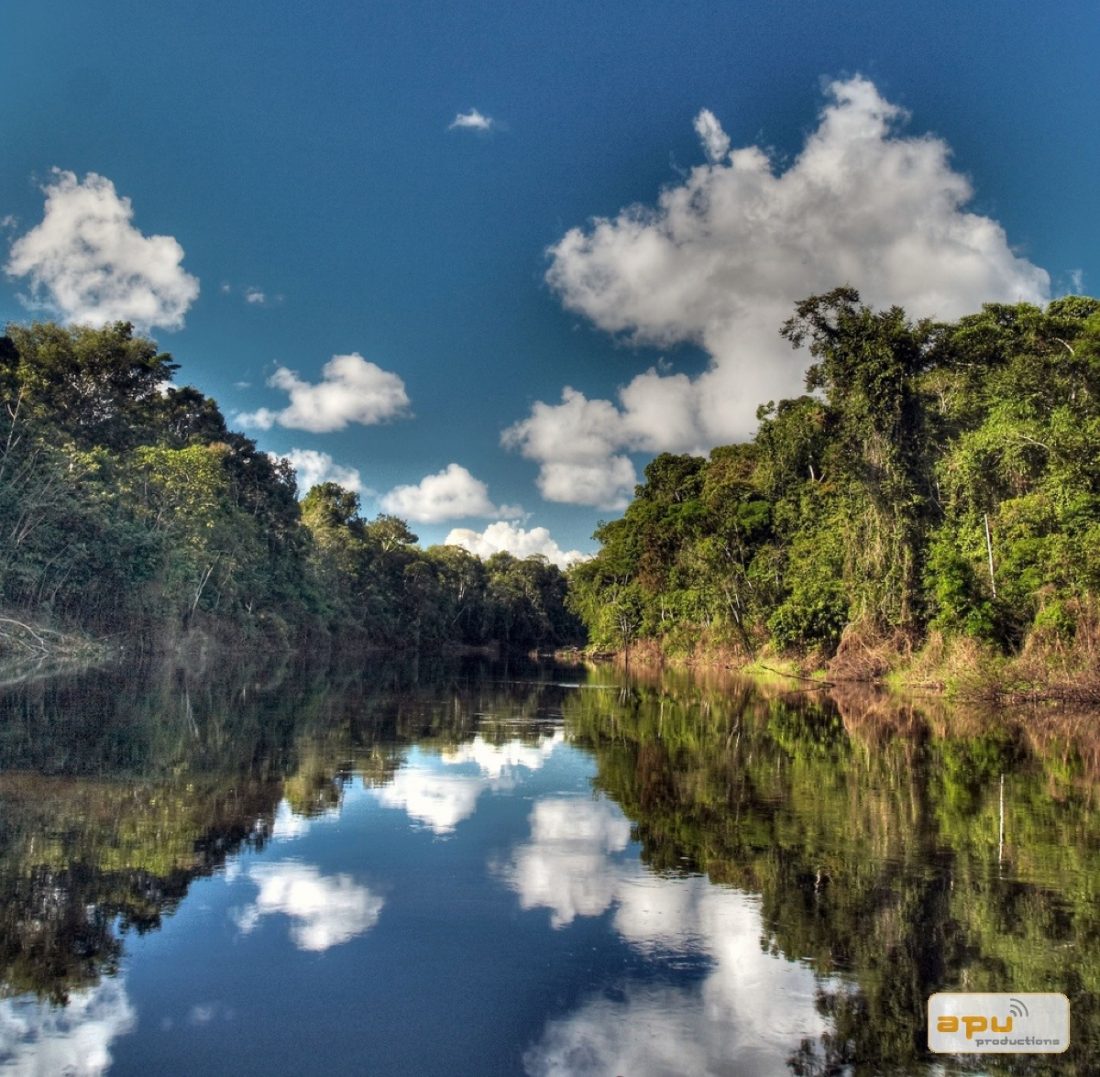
(462, 868)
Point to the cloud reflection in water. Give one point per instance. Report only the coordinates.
(327, 909)
(566, 867)
(750, 1007)
(440, 791)
(39, 1038)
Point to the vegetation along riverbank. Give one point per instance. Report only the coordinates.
(929, 512)
(129, 509)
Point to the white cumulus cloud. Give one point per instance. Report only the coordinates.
(566, 867)
(499, 764)
(352, 390)
(288, 825)
(450, 494)
(438, 800)
(721, 259)
(471, 121)
(87, 262)
(502, 536)
(440, 791)
(750, 1004)
(314, 467)
(575, 444)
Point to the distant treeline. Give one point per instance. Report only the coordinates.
(938, 481)
(127, 505)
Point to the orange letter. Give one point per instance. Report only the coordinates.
(947, 1024)
(975, 1024)
(997, 1028)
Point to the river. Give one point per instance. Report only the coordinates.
(470, 868)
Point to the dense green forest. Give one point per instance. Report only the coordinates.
(128, 506)
(938, 484)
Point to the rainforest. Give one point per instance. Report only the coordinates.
(929, 509)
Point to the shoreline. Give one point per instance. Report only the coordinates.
(954, 669)
(957, 671)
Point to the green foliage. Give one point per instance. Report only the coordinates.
(99, 386)
(813, 614)
(957, 596)
(867, 502)
(126, 502)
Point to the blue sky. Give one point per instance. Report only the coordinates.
(354, 274)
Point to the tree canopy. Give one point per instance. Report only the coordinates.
(126, 503)
(935, 477)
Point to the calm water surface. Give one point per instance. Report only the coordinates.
(461, 869)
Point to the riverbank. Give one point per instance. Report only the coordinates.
(1048, 669)
(33, 648)
(30, 649)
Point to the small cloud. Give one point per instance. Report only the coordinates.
(252, 294)
(439, 792)
(202, 1014)
(716, 143)
(88, 263)
(287, 824)
(472, 121)
(450, 494)
(439, 801)
(351, 390)
(575, 444)
(77, 1038)
(242, 385)
(502, 536)
(313, 468)
(1077, 280)
(568, 866)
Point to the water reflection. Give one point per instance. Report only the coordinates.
(898, 852)
(327, 910)
(430, 795)
(502, 763)
(566, 867)
(748, 1005)
(37, 1038)
(743, 1017)
(289, 824)
(440, 789)
(677, 876)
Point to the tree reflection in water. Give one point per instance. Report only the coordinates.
(902, 849)
(894, 849)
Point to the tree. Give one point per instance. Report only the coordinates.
(868, 366)
(97, 386)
